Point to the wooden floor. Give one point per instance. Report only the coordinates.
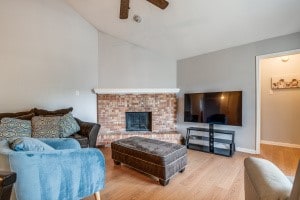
(207, 176)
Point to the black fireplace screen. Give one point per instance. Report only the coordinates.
(138, 121)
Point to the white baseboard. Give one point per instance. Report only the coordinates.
(244, 150)
(282, 144)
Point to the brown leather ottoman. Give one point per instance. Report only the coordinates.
(154, 157)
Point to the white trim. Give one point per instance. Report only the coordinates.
(244, 150)
(258, 104)
(136, 90)
(282, 144)
(278, 54)
(258, 91)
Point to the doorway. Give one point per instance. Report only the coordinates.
(271, 90)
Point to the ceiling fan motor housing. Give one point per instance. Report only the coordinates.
(137, 18)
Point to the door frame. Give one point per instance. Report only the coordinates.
(258, 91)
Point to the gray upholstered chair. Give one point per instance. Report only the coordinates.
(264, 181)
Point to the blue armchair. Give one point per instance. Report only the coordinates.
(68, 172)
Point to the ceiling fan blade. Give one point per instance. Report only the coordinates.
(124, 9)
(159, 3)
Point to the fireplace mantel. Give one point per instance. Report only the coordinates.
(136, 90)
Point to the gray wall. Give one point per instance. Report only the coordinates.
(280, 110)
(47, 52)
(230, 69)
(125, 65)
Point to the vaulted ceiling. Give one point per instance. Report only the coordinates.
(191, 27)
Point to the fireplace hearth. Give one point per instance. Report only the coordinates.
(138, 121)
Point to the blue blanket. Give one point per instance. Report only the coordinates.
(67, 173)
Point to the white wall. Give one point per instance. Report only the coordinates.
(47, 52)
(125, 65)
(280, 110)
(230, 69)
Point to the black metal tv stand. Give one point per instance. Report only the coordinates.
(210, 142)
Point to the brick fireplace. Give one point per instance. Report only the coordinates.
(160, 108)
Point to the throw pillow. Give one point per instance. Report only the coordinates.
(68, 125)
(28, 144)
(45, 127)
(11, 127)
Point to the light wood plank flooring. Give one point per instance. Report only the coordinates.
(207, 176)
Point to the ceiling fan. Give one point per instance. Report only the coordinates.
(124, 7)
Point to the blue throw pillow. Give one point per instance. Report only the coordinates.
(68, 125)
(28, 144)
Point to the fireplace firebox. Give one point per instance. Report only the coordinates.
(138, 121)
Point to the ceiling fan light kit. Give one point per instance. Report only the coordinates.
(124, 7)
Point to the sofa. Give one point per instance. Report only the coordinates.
(7, 179)
(86, 135)
(52, 168)
(264, 181)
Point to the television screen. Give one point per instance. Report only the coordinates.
(214, 108)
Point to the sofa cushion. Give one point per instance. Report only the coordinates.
(26, 117)
(28, 144)
(83, 141)
(60, 112)
(15, 115)
(11, 127)
(68, 125)
(45, 127)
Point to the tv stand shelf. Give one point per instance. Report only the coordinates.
(211, 140)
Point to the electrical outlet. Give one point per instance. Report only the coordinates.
(77, 93)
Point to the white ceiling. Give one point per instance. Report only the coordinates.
(191, 27)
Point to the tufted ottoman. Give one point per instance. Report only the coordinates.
(154, 157)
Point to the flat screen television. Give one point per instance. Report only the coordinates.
(214, 108)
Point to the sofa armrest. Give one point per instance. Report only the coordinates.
(263, 180)
(295, 194)
(7, 179)
(61, 143)
(89, 130)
